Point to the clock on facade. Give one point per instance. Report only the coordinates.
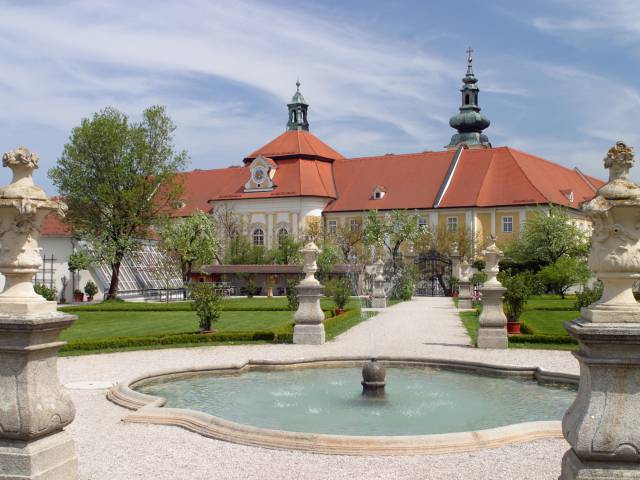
(258, 175)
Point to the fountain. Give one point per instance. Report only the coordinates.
(373, 379)
(492, 332)
(378, 296)
(309, 329)
(34, 408)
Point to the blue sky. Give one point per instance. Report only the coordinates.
(559, 79)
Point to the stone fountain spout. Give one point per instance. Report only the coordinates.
(373, 379)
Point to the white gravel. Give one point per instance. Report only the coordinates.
(425, 327)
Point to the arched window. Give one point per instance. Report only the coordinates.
(466, 99)
(258, 236)
(283, 233)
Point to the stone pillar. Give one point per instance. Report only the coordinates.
(34, 408)
(603, 424)
(493, 322)
(309, 329)
(455, 262)
(378, 296)
(466, 289)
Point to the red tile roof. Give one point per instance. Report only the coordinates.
(410, 181)
(505, 176)
(296, 144)
(53, 226)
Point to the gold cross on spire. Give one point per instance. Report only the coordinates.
(469, 57)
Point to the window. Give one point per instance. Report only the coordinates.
(258, 236)
(283, 233)
(422, 223)
(466, 99)
(452, 224)
(332, 227)
(354, 225)
(507, 224)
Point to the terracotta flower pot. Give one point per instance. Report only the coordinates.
(513, 328)
(78, 297)
(90, 298)
(339, 311)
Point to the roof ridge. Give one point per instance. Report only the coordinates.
(525, 173)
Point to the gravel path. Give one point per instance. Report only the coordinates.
(425, 327)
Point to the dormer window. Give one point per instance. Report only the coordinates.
(378, 193)
(262, 171)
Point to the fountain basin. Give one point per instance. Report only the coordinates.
(258, 403)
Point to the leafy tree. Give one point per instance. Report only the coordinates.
(389, 231)
(441, 239)
(349, 240)
(546, 238)
(118, 177)
(287, 252)
(191, 241)
(328, 258)
(563, 273)
(340, 291)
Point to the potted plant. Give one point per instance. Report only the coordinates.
(78, 296)
(515, 299)
(90, 289)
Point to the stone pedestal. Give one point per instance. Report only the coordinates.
(603, 424)
(492, 332)
(378, 295)
(464, 296)
(34, 408)
(309, 318)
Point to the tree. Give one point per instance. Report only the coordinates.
(328, 258)
(191, 241)
(287, 252)
(389, 231)
(348, 238)
(548, 237)
(564, 273)
(227, 224)
(118, 177)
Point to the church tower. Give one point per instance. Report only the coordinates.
(298, 112)
(469, 122)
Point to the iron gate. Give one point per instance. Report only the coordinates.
(434, 274)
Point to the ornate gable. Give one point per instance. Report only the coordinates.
(262, 170)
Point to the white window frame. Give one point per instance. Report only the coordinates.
(423, 223)
(354, 225)
(282, 233)
(509, 223)
(332, 227)
(452, 224)
(257, 236)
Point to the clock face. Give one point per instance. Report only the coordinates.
(258, 175)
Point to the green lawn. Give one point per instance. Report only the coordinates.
(547, 322)
(551, 302)
(91, 325)
(470, 322)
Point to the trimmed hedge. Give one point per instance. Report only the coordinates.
(166, 307)
(542, 339)
(184, 338)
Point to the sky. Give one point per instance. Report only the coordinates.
(558, 78)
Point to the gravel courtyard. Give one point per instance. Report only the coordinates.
(424, 327)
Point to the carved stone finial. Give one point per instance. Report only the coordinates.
(619, 161)
(310, 254)
(20, 157)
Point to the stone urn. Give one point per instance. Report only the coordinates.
(603, 424)
(34, 408)
(466, 289)
(492, 332)
(309, 328)
(373, 379)
(378, 295)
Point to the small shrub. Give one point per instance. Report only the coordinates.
(589, 295)
(207, 303)
(251, 286)
(454, 286)
(48, 293)
(340, 291)
(403, 284)
(90, 288)
(516, 295)
(478, 278)
(292, 295)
